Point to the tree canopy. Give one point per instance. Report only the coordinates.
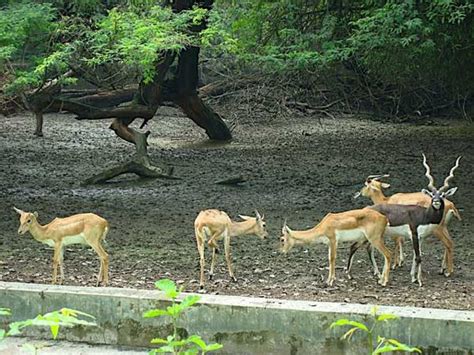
(394, 57)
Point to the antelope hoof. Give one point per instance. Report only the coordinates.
(201, 287)
(210, 276)
(349, 276)
(233, 278)
(330, 282)
(448, 273)
(382, 283)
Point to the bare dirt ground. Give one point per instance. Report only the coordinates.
(298, 169)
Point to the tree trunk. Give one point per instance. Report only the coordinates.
(204, 117)
(39, 124)
(140, 164)
(185, 86)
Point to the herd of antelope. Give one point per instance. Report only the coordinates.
(401, 216)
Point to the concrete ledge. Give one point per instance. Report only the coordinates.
(244, 325)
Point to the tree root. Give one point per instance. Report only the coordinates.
(134, 166)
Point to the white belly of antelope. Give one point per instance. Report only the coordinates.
(404, 230)
(350, 235)
(70, 239)
(426, 230)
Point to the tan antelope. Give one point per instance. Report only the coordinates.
(86, 228)
(373, 189)
(350, 226)
(217, 225)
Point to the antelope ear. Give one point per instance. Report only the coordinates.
(426, 192)
(286, 229)
(385, 185)
(18, 210)
(450, 192)
(35, 214)
(258, 215)
(245, 218)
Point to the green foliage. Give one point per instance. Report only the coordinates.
(408, 52)
(65, 317)
(411, 54)
(384, 345)
(174, 344)
(46, 40)
(134, 39)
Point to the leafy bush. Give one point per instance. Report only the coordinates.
(383, 345)
(404, 55)
(193, 344)
(65, 317)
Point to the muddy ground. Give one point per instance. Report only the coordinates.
(298, 168)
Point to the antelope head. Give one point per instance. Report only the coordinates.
(26, 219)
(286, 242)
(260, 228)
(437, 195)
(373, 185)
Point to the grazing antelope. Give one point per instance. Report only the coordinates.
(373, 189)
(356, 225)
(217, 225)
(86, 228)
(414, 221)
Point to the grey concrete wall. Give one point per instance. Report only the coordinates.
(243, 325)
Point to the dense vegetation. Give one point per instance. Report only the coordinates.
(394, 58)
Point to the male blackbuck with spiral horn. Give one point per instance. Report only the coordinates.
(414, 221)
(373, 189)
(86, 228)
(334, 228)
(217, 225)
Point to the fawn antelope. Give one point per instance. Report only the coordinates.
(217, 225)
(350, 226)
(86, 228)
(373, 189)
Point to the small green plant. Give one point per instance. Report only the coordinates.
(65, 317)
(384, 345)
(174, 344)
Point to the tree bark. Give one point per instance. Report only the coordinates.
(39, 124)
(204, 117)
(140, 164)
(187, 98)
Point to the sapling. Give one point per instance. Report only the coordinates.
(173, 343)
(65, 317)
(383, 344)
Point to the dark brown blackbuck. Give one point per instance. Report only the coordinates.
(374, 189)
(413, 221)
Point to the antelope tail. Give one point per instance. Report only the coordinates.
(456, 213)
